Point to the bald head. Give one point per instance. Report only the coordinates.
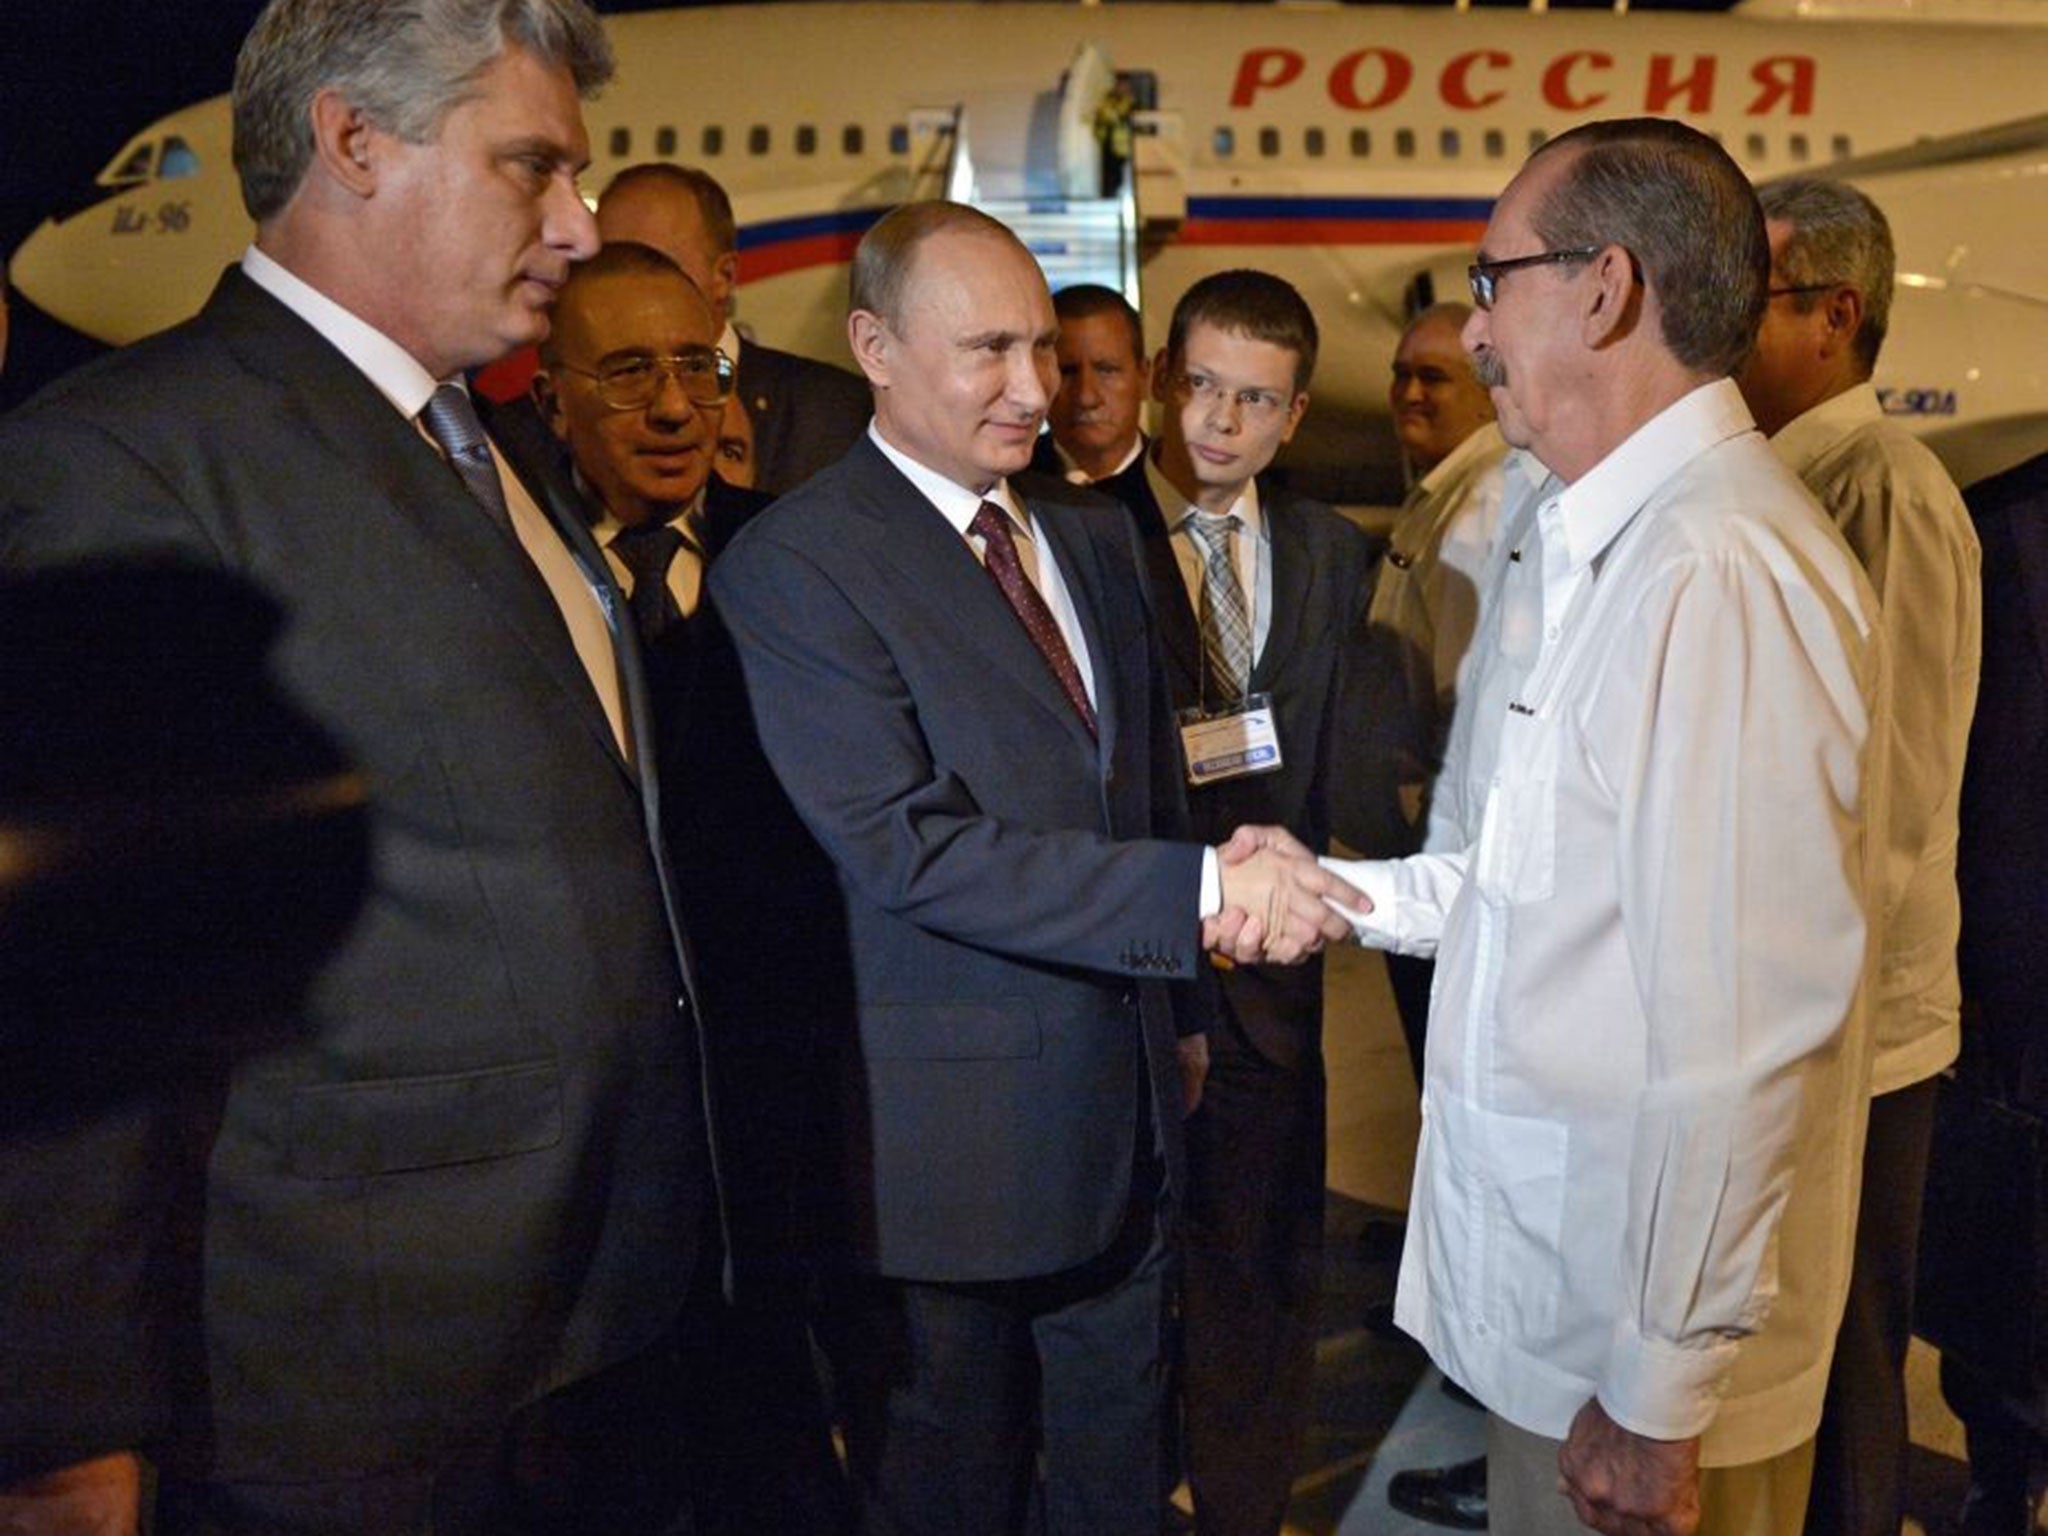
(682, 213)
(1435, 400)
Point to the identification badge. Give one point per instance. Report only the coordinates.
(1231, 742)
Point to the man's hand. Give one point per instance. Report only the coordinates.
(1627, 1484)
(92, 1498)
(1193, 1051)
(1281, 890)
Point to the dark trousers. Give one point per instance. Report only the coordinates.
(1859, 1471)
(1410, 979)
(949, 1395)
(2004, 1450)
(1252, 1270)
(612, 1453)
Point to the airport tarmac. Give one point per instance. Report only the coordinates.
(1378, 1406)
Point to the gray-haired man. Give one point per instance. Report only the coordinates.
(448, 1241)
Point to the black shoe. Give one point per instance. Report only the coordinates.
(1454, 1496)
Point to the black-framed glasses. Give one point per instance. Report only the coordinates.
(1786, 293)
(1485, 275)
(630, 383)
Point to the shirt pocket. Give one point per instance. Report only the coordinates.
(1507, 1196)
(1517, 857)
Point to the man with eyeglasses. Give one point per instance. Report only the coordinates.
(634, 387)
(1259, 597)
(1808, 383)
(1643, 1104)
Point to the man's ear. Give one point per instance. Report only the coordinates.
(548, 401)
(1844, 308)
(725, 277)
(1161, 377)
(867, 334)
(1612, 297)
(345, 144)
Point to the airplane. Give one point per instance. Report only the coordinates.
(1354, 149)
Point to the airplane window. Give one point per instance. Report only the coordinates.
(757, 139)
(1404, 143)
(899, 139)
(1225, 142)
(622, 143)
(1361, 142)
(1269, 142)
(1799, 150)
(665, 142)
(177, 160)
(1312, 141)
(714, 140)
(1537, 138)
(1755, 146)
(1841, 146)
(806, 139)
(851, 141)
(1447, 144)
(137, 166)
(1496, 144)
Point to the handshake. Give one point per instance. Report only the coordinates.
(1279, 905)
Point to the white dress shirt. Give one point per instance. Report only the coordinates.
(400, 378)
(1647, 1016)
(1251, 550)
(1074, 474)
(1904, 518)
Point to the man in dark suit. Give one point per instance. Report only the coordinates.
(1096, 419)
(956, 686)
(1233, 385)
(450, 1242)
(1980, 1258)
(804, 413)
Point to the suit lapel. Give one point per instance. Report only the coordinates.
(391, 468)
(1173, 615)
(1291, 571)
(931, 558)
(1086, 585)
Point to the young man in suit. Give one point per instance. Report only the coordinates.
(956, 686)
(450, 1241)
(803, 413)
(1260, 598)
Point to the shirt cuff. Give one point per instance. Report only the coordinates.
(1212, 885)
(1375, 879)
(1663, 1390)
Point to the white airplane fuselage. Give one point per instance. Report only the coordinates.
(1352, 149)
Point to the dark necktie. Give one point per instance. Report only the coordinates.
(999, 554)
(451, 420)
(648, 551)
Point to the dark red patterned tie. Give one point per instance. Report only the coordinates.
(999, 556)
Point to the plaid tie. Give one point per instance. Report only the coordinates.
(999, 554)
(1226, 625)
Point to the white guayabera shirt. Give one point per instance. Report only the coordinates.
(1643, 1108)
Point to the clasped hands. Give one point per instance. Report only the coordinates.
(1279, 905)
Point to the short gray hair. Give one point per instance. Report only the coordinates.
(882, 263)
(405, 64)
(1673, 199)
(1839, 236)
